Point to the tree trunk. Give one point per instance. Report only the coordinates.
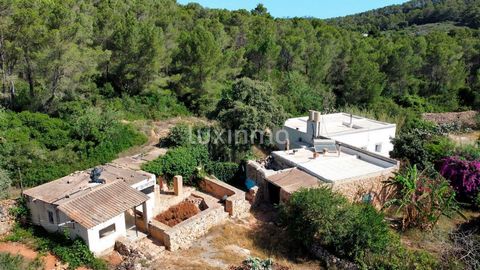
(30, 75)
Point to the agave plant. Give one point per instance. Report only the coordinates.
(421, 199)
(259, 264)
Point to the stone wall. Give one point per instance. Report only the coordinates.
(182, 235)
(236, 204)
(465, 119)
(356, 189)
(353, 189)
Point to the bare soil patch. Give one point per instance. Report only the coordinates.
(231, 243)
(18, 249)
(49, 261)
(178, 213)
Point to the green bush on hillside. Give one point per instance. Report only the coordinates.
(355, 232)
(224, 171)
(327, 218)
(36, 148)
(182, 161)
(72, 251)
(16, 262)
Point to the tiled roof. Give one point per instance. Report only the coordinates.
(102, 203)
(77, 184)
(294, 179)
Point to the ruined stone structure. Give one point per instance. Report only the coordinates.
(221, 201)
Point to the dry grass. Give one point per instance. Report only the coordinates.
(190, 259)
(436, 240)
(263, 240)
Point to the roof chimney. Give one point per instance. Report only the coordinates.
(311, 115)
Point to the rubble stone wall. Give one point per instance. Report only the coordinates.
(182, 235)
(356, 189)
(465, 119)
(236, 204)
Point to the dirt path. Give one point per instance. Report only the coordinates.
(134, 157)
(29, 254)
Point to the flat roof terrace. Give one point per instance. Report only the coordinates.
(335, 167)
(338, 123)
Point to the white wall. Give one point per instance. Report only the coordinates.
(100, 245)
(360, 139)
(297, 138)
(151, 181)
(39, 214)
(370, 139)
(91, 236)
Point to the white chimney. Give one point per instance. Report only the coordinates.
(313, 124)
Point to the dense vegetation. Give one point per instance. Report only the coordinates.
(356, 232)
(15, 262)
(74, 252)
(35, 148)
(417, 12)
(71, 71)
(155, 59)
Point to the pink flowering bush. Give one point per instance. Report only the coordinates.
(464, 176)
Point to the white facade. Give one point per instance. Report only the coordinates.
(368, 134)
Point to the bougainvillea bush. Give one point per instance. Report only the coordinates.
(464, 176)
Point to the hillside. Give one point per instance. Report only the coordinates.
(416, 12)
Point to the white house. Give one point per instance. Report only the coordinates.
(98, 205)
(364, 133)
(357, 174)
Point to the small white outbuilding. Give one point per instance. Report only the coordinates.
(100, 210)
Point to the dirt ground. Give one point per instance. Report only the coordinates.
(231, 243)
(29, 254)
(464, 139)
(155, 130)
(178, 213)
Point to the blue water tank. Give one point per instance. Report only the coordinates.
(249, 183)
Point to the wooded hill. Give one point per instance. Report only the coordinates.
(417, 12)
(81, 62)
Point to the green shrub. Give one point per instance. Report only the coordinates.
(36, 148)
(225, 171)
(468, 152)
(395, 256)
(20, 211)
(439, 147)
(327, 218)
(16, 262)
(5, 183)
(258, 264)
(155, 104)
(421, 199)
(179, 161)
(179, 135)
(72, 251)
